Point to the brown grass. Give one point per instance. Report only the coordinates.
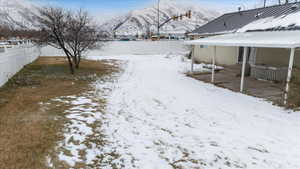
(294, 94)
(28, 131)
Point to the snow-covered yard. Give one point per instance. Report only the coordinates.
(158, 118)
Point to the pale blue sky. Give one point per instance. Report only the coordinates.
(109, 8)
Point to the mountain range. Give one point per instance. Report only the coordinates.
(17, 14)
(22, 13)
(144, 20)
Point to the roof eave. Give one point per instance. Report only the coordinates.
(284, 46)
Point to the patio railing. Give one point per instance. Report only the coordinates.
(269, 73)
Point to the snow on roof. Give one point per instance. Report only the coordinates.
(271, 39)
(278, 17)
(283, 22)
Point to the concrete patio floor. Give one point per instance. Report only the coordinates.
(230, 78)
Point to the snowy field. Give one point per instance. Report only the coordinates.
(157, 118)
(124, 48)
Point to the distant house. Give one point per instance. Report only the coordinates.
(284, 17)
(264, 41)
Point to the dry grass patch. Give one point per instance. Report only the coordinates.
(294, 94)
(28, 131)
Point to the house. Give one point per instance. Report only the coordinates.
(273, 18)
(168, 35)
(173, 35)
(263, 41)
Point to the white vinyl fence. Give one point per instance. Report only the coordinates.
(14, 58)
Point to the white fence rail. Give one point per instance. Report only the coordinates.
(13, 59)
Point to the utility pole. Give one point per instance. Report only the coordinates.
(158, 15)
(265, 3)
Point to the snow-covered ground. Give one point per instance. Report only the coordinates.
(117, 48)
(158, 118)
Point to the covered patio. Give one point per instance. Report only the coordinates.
(229, 78)
(272, 39)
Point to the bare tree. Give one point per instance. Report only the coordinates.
(69, 31)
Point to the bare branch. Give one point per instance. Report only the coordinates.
(73, 32)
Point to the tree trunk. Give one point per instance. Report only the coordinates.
(70, 59)
(77, 66)
(75, 60)
(78, 61)
(71, 68)
(71, 65)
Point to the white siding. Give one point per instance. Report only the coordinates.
(224, 56)
(276, 57)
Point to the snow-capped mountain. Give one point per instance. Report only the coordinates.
(145, 20)
(17, 13)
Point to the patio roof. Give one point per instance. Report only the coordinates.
(271, 39)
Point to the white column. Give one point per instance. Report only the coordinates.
(192, 59)
(213, 64)
(192, 66)
(243, 68)
(289, 77)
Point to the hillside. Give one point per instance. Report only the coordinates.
(142, 20)
(17, 13)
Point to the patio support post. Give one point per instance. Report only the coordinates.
(213, 64)
(243, 68)
(289, 76)
(192, 65)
